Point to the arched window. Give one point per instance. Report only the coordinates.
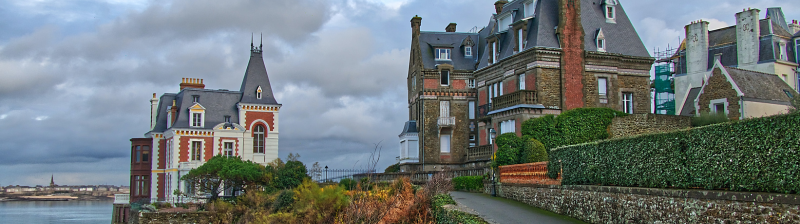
(258, 139)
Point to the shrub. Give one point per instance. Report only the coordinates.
(468, 183)
(283, 201)
(393, 168)
(317, 204)
(348, 184)
(708, 119)
(534, 151)
(574, 126)
(505, 155)
(450, 217)
(438, 184)
(761, 154)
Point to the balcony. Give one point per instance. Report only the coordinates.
(122, 198)
(515, 98)
(447, 121)
(483, 152)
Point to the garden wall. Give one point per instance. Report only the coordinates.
(174, 217)
(637, 124)
(528, 173)
(605, 204)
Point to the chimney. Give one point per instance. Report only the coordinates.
(697, 47)
(450, 28)
(173, 111)
(416, 21)
(794, 27)
(498, 6)
(747, 32)
(192, 83)
(153, 111)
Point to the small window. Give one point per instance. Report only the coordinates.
(471, 83)
(197, 148)
(601, 44)
(627, 103)
(609, 12)
(195, 98)
(529, 8)
(258, 92)
(495, 53)
(602, 87)
(229, 149)
(521, 81)
(227, 119)
(520, 41)
(145, 153)
(197, 119)
(442, 54)
(258, 139)
(468, 51)
(719, 108)
(445, 77)
(444, 141)
(138, 153)
(782, 47)
(500, 87)
(471, 109)
(413, 82)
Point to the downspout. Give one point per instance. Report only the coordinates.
(741, 108)
(422, 124)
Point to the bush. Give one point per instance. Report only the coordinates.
(348, 184)
(393, 168)
(515, 150)
(574, 126)
(534, 151)
(505, 155)
(708, 119)
(283, 201)
(468, 183)
(455, 217)
(761, 154)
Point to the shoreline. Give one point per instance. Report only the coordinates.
(56, 198)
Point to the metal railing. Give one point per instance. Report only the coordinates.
(122, 198)
(447, 121)
(483, 152)
(336, 175)
(515, 98)
(422, 177)
(483, 110)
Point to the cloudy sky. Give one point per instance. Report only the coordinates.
(76, 76)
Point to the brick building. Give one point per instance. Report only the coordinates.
(768, 45)
(195, 124)
(535, 57)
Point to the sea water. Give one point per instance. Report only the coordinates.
(39, 212)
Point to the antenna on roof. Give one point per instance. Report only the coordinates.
(261, 45)
(251, 41)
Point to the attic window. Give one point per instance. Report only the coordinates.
(467, 51)
(609, 10)
(442, 54)
(782, 47)
(445, 77)
(195, 98)
(601, 41)
(505, 21)
(258, 93)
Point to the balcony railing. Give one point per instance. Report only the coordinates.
(515, 98)
(122, 198)
(483, 110)
(483, 152)
(447, 121)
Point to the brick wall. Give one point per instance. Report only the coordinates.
(459, 84)
(572, 60)
(528, 173)
(175, 217)
(637, 124)
(718, 87)
(252, 116)
(431, 84)
(605, 204)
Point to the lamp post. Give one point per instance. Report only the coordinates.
(326, 173)
(492, 134)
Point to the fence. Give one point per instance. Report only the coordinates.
(528, 173)
(422, 177)
(336, 175)
(477, 153)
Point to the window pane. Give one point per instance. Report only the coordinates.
(471, 106)
(146, 153)
(445, 76)
(138, 153)
(522, 81)
(445, 143)
(601, 86)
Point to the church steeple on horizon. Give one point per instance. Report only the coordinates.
(52, 183)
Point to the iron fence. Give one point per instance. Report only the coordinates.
(322, 175)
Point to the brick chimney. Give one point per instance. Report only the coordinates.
(794, 27)
(747, 41)
(192, 83)
(450, 28)
(498, 6)
(697, 47)
(416, 22)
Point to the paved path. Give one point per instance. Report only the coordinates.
(503, 211)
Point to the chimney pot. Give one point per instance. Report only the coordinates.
(450, 28)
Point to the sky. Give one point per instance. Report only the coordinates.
(76, 76)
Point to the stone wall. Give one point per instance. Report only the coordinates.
(602, 204)
(174, 217)
(637, 124)
(718, 87)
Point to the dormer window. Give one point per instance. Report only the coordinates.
(609, 10)
(467, 51)
(442, 54)
(601, 41)
(197, 115)
(505, 21)
(195, 98)
(520, 40)
(258, 93)
(529, 8)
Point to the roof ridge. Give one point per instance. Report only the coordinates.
(763, 73)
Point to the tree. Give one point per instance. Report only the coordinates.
(285, 175)
(534, 151)
(222, 172)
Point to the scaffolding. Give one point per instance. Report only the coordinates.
(663, 85)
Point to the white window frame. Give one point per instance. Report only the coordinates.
(508, 126)
(471, 105)
(444, 143)
(194, 123)
(529, 8)
(782, 50)
(504, 22)
(444, 75)
(258, 93)
(501, 88)
(602, 87)
(494, 52)
(490, 92)
(521, 78)
(226, 150)
(195, 99)
(610, 14)
(601, 45)
(467, 51)
(712, 105)
(263, 139)
(196, 151)
(520, 39)
(169, 118)
(471, 83)
(443, 52)
(627, 102)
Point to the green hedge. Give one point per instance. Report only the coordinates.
(574, 126)
(515, 150)
(468, 183)
(451, 217)
(761, 154)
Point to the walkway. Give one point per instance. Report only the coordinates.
(502, 211)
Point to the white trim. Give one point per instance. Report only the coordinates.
(724, 101)
(467, 51)
(202, 149)
(266, 125)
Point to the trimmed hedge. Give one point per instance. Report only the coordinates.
(451, 217)
(574, 126)
(468, 183)
(515, 150)
(761, 154)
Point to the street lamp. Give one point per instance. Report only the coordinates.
(492, 133)
(326, 173)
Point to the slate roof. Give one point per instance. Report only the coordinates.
(760, 85)
(410, 127)
(255, 76)
(688, 104)
(428, 41)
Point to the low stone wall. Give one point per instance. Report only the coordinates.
(637, 124)
(604, 204)
(174, 217)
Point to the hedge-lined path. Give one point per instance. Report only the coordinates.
(505, 211)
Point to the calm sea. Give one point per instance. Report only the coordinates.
(38, 212)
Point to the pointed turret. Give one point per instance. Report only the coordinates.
(255, 85)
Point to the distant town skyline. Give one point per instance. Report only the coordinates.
(77, 75)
